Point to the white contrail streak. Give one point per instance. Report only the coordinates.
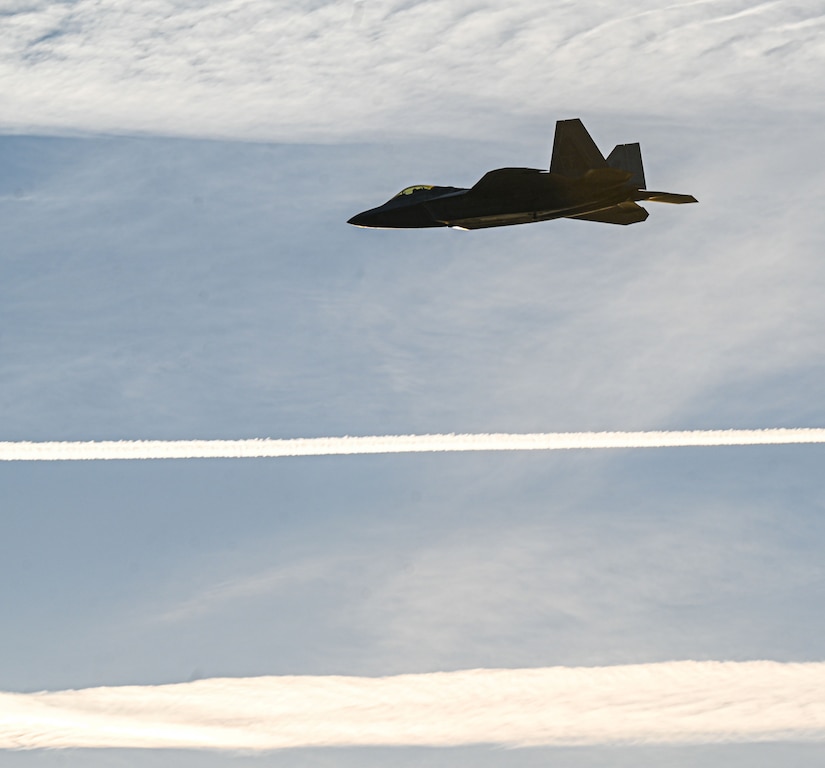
(328, 446)
(674, 702)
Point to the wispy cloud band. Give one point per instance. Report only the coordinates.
(673, 702)
(286, 70)
(331, 446)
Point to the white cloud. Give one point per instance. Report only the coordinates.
(674, 702)
(327, 69)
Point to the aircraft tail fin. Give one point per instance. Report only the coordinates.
(574, 151)
(628, 157)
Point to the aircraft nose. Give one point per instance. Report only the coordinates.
(394, 217)
(363, 219)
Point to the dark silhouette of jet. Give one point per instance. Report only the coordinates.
(581, 184)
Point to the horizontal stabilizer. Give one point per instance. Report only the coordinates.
(574, 152)
(628, 157)
(623, 213)
(668, 197)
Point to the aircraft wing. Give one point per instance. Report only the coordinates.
(504, 181)
(623, 213)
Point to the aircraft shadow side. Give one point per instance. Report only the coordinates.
(581, 184)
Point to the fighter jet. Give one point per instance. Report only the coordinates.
(581, 184)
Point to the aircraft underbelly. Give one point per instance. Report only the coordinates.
(500, 218)
(474, 213)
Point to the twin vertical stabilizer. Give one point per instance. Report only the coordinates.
(575, 153)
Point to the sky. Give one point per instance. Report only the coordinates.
(175, 264)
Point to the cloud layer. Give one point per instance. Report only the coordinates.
(674, 702)
(326, 68)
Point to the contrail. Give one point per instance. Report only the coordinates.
(684, 702)
(329, 446)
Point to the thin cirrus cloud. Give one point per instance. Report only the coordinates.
(683, 702)
(244, 68)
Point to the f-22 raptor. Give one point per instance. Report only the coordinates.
(581, 184)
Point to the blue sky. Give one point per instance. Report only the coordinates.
(175, 264)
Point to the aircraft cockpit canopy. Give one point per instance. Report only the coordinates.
(416, 188)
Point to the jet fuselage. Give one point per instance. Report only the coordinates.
(512, 196)
(581, 184)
